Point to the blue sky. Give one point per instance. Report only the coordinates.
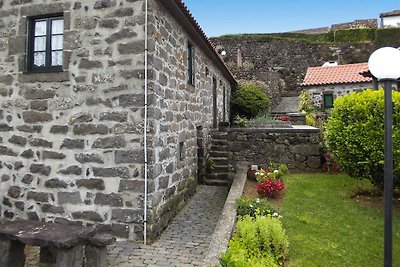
(218, 17)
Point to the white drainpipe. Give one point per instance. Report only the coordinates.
(145, 122)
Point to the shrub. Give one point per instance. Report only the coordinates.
(355, 135)
(270, 188)
(254, 207)
(249, 101)
(387, 37)
(358, 35)
(257, 242)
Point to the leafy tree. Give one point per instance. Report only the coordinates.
(355, 135)
(249, 100)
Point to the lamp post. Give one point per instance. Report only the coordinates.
(384, 64)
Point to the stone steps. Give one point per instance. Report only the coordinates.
(219, 154)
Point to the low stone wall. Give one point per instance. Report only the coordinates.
(297, 147)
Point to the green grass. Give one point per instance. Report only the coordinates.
(327, 228)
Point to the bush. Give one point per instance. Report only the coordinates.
(257, 242)
(254, 207)
(249, 100)
(355, 135)
(387, 37)
(359, 35)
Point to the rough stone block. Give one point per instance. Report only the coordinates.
(114, 116)
(109, 142)
(35, 94)
(72, 170)
(70, 257)
(112, 199)
(69, 197)
(124, 33)
(131, 186)
(121, 12)
(127, 215)
(87, 215)
(12, 253)
(53, 155)
(38, 142)
(38, 196)
(52, 209)
(14, 191)
(92, 184)
(4, 127)
(40, 168)
(129, 156)
(96, 256)
(121, 172)
(7, 151)
(86, 158)
(136, 47)
(36, 117)
(73, 143)
(55, 183)
(88, 129)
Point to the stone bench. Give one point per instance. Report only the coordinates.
(62, 244)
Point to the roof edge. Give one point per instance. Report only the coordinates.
(181, 13)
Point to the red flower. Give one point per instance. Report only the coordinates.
(270, 188)
(284, 118)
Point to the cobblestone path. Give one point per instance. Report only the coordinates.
(183, 243)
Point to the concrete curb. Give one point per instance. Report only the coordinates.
(227, 220)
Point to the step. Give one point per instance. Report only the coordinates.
(221, 168)
(217, 154)
(216, 182)
(219, 148)
(218, 142)
(220, 160)
(221, 136)
(217, 176)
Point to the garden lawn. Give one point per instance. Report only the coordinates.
(327, 228)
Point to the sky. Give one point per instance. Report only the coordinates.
(219, 17)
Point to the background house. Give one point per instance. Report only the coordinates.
(330, 81)
(390, 19)
(74, 120)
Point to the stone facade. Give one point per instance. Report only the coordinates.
(317, 92)
(298, 147)
(71, 145)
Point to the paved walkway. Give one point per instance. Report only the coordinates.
(184, 243)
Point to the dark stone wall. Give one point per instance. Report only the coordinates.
(282, 64)
(298, 148)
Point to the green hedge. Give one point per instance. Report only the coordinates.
(354, 134)
(387, 37)
(362, 35)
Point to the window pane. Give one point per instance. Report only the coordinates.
(57, 26)
(40, 44)
(40, 28)
(56, 58)
(39, 59)
(56, 42)
(328, 101)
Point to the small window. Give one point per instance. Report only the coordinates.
(328, 101)
(181, 151)
(190, 64)
(46, 39)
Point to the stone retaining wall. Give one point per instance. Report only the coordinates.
(297, 147)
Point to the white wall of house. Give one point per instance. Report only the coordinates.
(393, 21)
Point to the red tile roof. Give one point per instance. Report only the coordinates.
(390, 14)
(341, 74)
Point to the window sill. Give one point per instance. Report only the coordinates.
(44, 76)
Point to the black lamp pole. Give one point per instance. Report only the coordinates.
(388, 173)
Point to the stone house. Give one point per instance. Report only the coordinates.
(328, 82)
(102, 104)
(390, 19)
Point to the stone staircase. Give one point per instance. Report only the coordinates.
(219, 154)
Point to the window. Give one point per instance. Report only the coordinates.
(190, 64)
(328, 101)
(46, 38)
